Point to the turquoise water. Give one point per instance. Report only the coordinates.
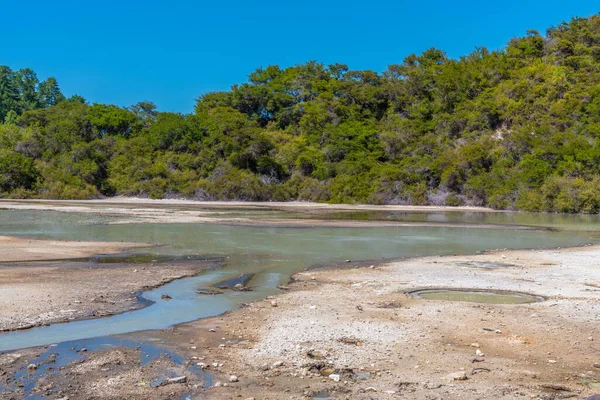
(272, 254)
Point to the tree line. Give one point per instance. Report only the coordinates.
(516, 128)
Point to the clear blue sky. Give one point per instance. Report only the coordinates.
(170, 52)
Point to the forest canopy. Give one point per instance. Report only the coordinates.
(517, 128)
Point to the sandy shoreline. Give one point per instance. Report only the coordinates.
(360, 322)
(45, 291)
(359, 326)
(348, 333)
(135, 210)
(25, 249)
(240, 204)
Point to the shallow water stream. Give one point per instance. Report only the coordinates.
(273, 255)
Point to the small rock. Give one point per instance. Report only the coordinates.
(179, 379)
(273, 303)
(218, 384)
(315, 354)
(479, 353)
(313, 307)
(212, 330)
(596, 365)
(334, 377)
(166, 297)
(432, 386)
(370, 389)
(201, 365)
(475, 344)
(277, 364)
(233, 378)
(208, 292)
(456, 376)
(31, 367)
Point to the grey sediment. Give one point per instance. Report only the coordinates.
(418, 292)
(140, 301)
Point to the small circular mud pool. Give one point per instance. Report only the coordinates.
(476, 296)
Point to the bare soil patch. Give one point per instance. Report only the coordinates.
(45, 292)
(335, 333)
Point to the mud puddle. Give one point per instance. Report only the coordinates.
(476, 296)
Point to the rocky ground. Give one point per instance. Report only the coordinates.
(120, 372)
(348, 334)
(355, 334)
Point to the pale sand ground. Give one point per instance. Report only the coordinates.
(546, 350)
(44, 292)
(243, 204)
(24, 249)
(135, 210)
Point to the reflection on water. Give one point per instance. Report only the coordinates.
(272, 254)
(61, 356)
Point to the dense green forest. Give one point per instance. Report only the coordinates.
(517, 128)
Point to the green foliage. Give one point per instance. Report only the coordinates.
(515, 128)
(111, 120)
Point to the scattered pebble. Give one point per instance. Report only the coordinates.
(179, 379)
(456, 376)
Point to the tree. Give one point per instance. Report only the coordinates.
(11, 117)
(9, 92)
(49, 93)
(112, 120)
(76, 99)
(27, 82)
(145, 111)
